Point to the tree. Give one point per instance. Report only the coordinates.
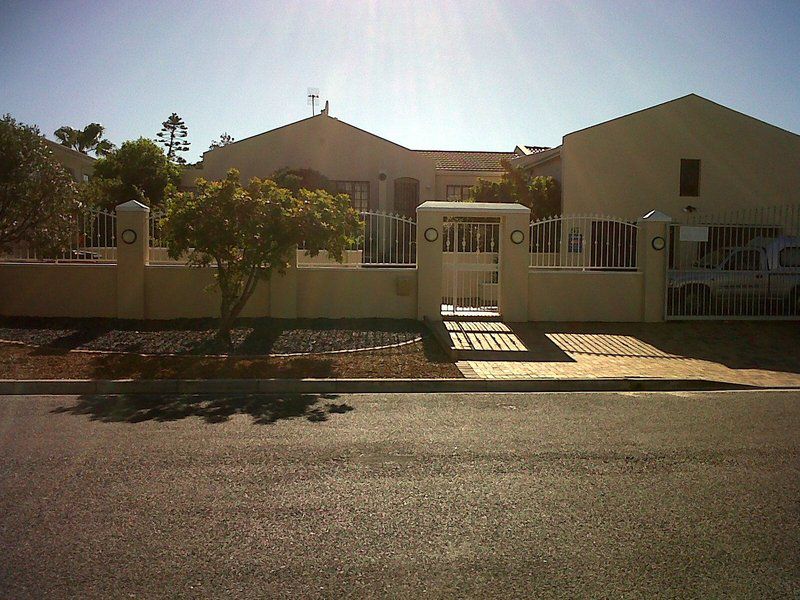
(542, 194)
(173, 137)
(250, 232)
(37, 195)
(138, 169)
(88, 139)
(224, 140)
(298, 179)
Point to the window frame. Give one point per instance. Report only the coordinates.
(461, 188)
(350, 187)
(786, 251)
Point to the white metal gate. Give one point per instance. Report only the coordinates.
(471, 267)
(738, 265)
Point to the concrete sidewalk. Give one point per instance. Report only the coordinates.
(764, 354)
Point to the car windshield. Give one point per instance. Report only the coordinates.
(713, 259)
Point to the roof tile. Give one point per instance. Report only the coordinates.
(460, 160)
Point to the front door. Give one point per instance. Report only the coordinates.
(471, 267)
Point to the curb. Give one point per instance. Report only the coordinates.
(353, 386)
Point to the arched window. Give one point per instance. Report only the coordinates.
(406, 196)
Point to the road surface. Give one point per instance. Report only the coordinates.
(435, 495)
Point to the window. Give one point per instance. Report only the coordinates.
(790, 257)
(358, 192)
(690, 177)
(85, 178)
(457, 193)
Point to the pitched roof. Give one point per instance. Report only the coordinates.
(536, 158)
(464, 160)
(535, 149)
(55, 146)
(687, 97)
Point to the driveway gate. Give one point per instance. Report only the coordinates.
(740, 265)
(471, 266)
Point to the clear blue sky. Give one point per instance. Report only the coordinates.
(437, 74)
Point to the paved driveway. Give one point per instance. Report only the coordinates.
(512, 496)
(762, 353)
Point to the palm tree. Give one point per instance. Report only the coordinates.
(88, 139)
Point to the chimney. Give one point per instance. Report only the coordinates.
(324, 111)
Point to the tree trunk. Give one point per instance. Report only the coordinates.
(226, 317)
(224, 331)
(230, 310)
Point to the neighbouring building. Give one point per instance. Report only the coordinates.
(688, 154)
(377, 174)
(78, 164)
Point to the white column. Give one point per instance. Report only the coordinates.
(133, 248)
(429, 264)
(514, 262)
(651, 261)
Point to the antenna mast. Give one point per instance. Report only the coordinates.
(313, 96)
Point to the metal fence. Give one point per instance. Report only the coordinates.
(155, 229)
(736, 265)
(92, 237)
(158, 252)
(385, 240)
(583, 242)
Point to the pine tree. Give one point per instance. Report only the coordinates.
(173, 137)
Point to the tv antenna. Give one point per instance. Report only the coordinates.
(313, 96)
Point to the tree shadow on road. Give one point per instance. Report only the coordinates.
(216, 408)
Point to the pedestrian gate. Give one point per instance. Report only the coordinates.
(471, 266)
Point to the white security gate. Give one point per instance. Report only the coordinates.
(471, 267)
(740, 265)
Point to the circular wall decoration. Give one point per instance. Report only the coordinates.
(658, 243)
(382, 176)
(431, 234)
(517, 236)
(128, 236)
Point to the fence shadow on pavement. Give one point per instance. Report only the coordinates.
(214, 408)
(773, 346)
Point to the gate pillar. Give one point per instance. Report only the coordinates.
(429, 263)
(133, 250)
(652, 262)
(514, 262)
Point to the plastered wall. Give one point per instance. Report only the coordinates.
(584, 296)
(336, 149)
(631, 165)
(58, 290)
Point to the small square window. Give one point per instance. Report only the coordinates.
(458, 193)
(690, 177)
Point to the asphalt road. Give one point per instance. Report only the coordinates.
(467, 495)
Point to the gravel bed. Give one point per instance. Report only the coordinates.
(196, 336)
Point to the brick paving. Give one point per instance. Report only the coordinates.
(755, 353)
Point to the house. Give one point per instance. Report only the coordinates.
(78, 164)
(688, 154)
(378, 174)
